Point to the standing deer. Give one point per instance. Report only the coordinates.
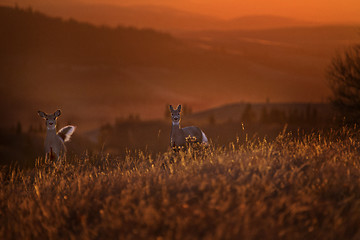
(178, 136)
(54, 141)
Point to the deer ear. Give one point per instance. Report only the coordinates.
(179, 108)
(42, 114)
(57, 113)
(171, 108)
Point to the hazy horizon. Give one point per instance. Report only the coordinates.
(319, 11)
(122, 71)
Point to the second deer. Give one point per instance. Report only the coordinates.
(179, 136)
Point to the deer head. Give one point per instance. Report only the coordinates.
(50, 119)
(175, 114)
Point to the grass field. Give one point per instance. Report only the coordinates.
(293, 187)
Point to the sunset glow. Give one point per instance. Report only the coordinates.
(318, 10)
(226, 51)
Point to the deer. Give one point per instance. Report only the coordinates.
(179, 136)
(55, 141)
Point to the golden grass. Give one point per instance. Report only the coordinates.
(290, 188)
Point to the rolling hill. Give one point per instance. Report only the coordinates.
(96, 73)
(235, 112)
(160, 17)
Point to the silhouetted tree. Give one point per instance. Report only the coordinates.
(264, 115)
(248, 115)
(277, 116)
(133, 118)
(31, 129)
(167, 113)
(18, 128)
(344, 78)
(104, 133)
(308, 112)
(41, 128)
(293, 116)
(186, 110)
(212, 119)
(315, 115)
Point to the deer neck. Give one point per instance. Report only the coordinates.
(177, 137)
(176, 126)
(176, 131)
(50, 132)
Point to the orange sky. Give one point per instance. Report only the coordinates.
(315, 10)
(311, 10)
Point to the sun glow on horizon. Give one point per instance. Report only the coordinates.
(318, 11)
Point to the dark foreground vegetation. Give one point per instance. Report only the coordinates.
(293, 187)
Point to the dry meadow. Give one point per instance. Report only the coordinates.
(292, 187)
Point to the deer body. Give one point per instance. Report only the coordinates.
(54, 144)
(178, 135)
(55, 141)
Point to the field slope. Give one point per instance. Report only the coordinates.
(290, 188)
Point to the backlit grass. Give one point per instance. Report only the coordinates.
(289, 188)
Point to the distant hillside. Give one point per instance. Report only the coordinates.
(288, 37)
(162, 18)
(30, 33)
(260, 22)
(221, 124)
(300, 112)
(96, 74)
(48, 63)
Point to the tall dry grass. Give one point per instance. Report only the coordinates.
(290, 188)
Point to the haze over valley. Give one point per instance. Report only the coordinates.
(114, 71)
